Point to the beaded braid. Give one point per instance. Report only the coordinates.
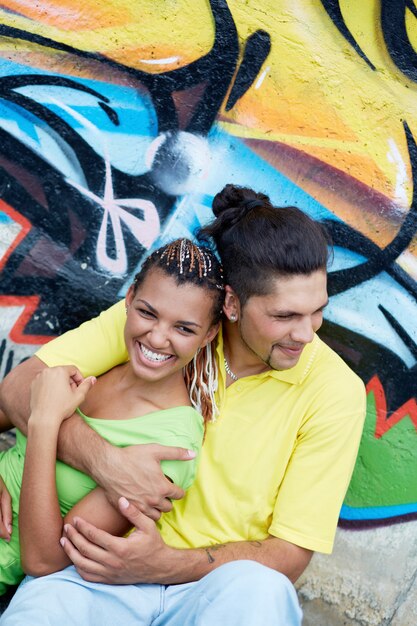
(189, 263)
(201, 379)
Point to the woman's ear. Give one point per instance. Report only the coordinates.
(129, 296)
(231, 307)
(211, 333)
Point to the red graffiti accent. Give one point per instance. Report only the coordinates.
(384, 423)
(30, 304)
(24, 223)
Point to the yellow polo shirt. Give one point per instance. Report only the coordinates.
(277, 461)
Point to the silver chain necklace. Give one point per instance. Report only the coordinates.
(229, 371)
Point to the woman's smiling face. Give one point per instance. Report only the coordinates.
(166, 324)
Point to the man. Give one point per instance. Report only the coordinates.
(274, 468)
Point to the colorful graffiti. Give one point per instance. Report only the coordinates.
(114, 137)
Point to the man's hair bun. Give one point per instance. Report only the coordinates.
(237, 201)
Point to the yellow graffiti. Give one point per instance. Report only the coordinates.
(314, 94)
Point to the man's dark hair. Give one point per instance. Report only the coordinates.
(258, 242)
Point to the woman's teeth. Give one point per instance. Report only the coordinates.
(154, 356)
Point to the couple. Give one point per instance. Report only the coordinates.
(273, 469)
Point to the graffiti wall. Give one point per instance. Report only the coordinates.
(120, 120)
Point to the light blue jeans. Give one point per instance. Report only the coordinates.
(240, 593)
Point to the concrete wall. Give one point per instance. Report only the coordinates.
(119, 121)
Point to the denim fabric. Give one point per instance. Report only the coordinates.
(240, 593)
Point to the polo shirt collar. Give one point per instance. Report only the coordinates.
(295, 375)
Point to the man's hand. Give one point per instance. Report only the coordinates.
(142, 557)
(5, 512)
(135, 472)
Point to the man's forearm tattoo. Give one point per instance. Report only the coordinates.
(211, 549)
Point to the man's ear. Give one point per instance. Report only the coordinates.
(231, 307)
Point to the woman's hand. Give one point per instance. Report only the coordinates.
(56, 392)
(5, 512)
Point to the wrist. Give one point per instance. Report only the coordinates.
(39, 421)
(181, 566)
(42, 436)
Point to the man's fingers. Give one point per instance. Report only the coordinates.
(90, 540)
(174, 493)
(135, 517)
(93, 562)
(80, 562)
(155, 514)
(173, 453)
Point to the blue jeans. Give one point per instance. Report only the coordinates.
(240, 593)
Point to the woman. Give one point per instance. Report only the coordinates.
(173, 311)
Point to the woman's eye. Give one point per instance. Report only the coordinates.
(185, 329)
(146, 313)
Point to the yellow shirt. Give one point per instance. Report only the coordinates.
(277, 461)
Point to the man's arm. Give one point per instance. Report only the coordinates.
(143, 557)
(15, 392)
(77, 440)
(134, 470)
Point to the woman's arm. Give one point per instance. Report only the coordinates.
(134, 472)
(55, 394)
(40, 520)
(42, 553)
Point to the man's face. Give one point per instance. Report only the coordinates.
(276, 327)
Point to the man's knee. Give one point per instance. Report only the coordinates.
(253, 594)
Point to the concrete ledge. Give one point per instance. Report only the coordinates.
(371, 579)
(319, 613)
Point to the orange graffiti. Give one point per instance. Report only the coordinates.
(30, 304)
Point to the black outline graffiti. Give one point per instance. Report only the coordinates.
(396, 38)
(69, 232)
(216, 68)
(394, 31)
(379, 260)
(332, 8)
(8, 359)
(219, 71)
